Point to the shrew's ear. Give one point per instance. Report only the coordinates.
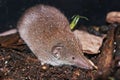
(57, 50)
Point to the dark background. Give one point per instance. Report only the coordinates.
(95, 10)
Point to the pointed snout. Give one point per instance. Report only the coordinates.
(84, 63)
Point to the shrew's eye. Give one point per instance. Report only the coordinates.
(73, 58)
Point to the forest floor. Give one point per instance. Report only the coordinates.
(17, 62)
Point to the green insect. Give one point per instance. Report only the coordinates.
(75, 21)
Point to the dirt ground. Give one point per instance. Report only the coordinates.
(17, 62)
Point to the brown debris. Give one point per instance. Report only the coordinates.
(90, 43)
(117, 44)
(105, 58)
(113, 17)
(12, 41)
(9, 40)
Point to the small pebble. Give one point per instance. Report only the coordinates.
(114, 50)
(77, 73)
(115, 43)
(44, 67)
(6, 62)
(104, 28)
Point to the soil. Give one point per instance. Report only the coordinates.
(19, 63)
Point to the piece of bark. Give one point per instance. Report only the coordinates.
(113, 17)
(12, 41)
(105, 58)
(9, 32)
(8, 39)
(90, 43)
(117, 47)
